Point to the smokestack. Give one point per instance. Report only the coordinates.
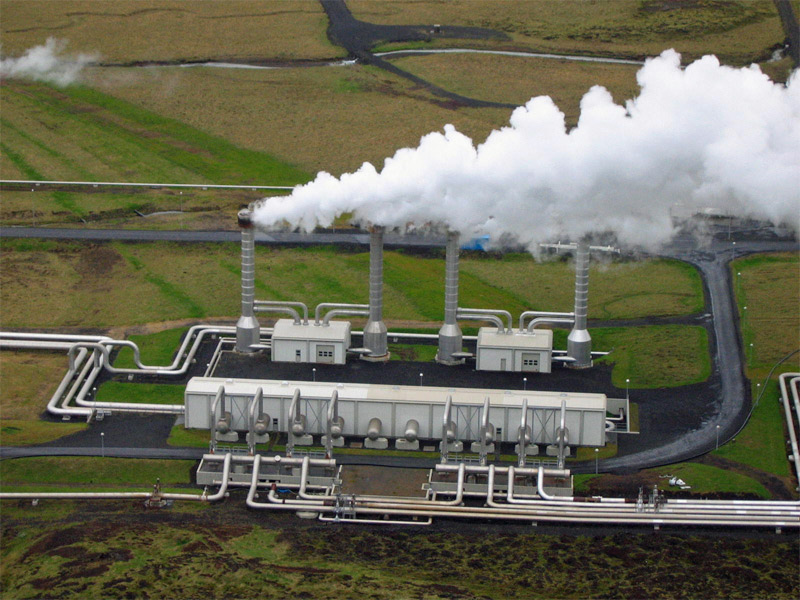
(579, 342)
(375, 329)
(450, 333)
(247, 328)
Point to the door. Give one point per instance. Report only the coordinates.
(325, 354)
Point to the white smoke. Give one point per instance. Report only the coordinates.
(46, 63)
(706, 135)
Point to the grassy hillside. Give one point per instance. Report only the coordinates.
(57, 284)
(738, 32)
(125, 31)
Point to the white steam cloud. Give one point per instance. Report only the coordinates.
(706, 135)
(46, 63)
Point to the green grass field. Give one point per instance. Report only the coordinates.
(49, 284)
(739, 32)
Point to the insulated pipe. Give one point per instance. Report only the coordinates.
(411, 432)
(375, 332)
(464, 316)
(523, 435)
(562, 434)
(258, 400)
(328, 305)
(294, 417)
(212, 416)
(268, 307)
(548, 321)
(247, 327)
(490, 312)
(579, 342)
(219, 495)
(483, 457)
(52, 406)
(333, 416)
(271, 303)
(374, 428)
(543, 314)
(326, 321)
(787, 409)
(448, 405)
(450, 338)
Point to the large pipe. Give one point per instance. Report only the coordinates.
(247, 327)
(579, 342)
(469, 313)
(543, 314)
(450, 338)
(323, 306)
(375, 332)
(473, 316)
(285, 307)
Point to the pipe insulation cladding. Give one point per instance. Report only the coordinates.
(375, 332)
(579, 342)
(247, 327)
(450, 338)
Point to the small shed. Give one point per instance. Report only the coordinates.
(515, 351)
(296, 342)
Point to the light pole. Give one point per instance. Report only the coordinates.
(596, 453)
(102, 444)
(420, 379)
(313, 373)
(717, 448)
(627, 389)
(738, 283)
(524, 383)
(750, 362)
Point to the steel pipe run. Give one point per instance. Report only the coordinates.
(333, 418)
(289, 308)
(542, 314)
(318, 311)
(488, 314)
(793, 379)
(548, 321)
(450, 337)
(342, 312)
(294, 419)
(548, 511)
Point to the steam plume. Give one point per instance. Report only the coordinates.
(46, 63)
(706, 135)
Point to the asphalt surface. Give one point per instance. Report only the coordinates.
(359, 37)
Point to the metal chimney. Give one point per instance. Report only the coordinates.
(579, 342)
(247, 328)
(450, 333)
(375, 329)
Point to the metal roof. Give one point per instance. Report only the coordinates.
(538, 339)
(397, 393)
(285, 329)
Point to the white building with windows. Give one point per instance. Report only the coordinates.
(516, 350)
(296, 342)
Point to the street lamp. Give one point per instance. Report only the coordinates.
(313, 373)
(717, 448)
(596, 453)
(627, 389)
(420, 379)
(524, 383)
(102, 444)
(751, 353)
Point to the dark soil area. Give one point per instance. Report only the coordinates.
(102, 549)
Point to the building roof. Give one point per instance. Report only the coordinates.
(397, 393)
(285, 329)
(538, 339)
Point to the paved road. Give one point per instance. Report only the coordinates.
(358, 37)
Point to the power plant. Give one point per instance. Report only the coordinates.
(496, 453)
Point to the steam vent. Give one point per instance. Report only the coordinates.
(247, 327)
